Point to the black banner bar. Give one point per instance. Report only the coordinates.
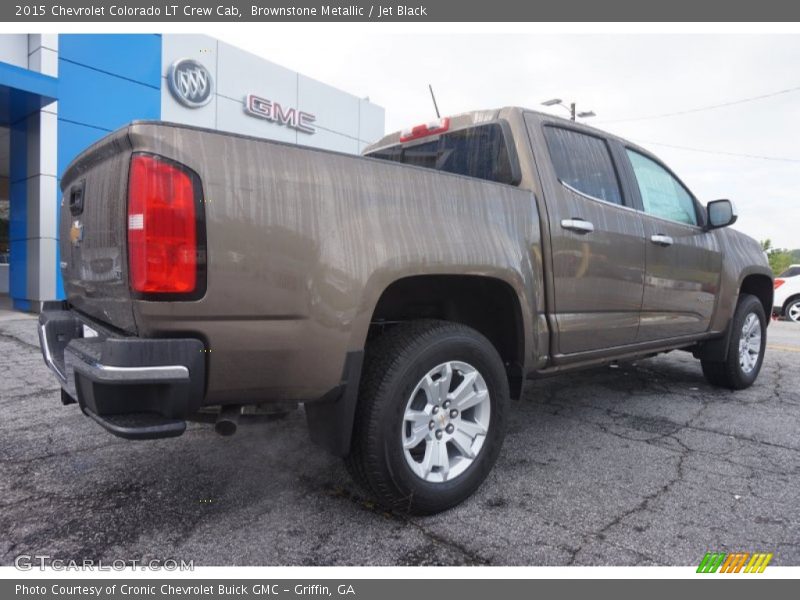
(412, 11)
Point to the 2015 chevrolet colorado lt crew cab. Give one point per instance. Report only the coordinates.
(403, 297)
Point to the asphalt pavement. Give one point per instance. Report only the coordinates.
(642, 464)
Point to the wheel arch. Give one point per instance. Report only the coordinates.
(757, 284)
(761, 286)
(490, 304)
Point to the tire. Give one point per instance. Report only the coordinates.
(400, 462)
(792, 310)
(737, 372)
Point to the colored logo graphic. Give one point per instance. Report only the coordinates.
(738, 562)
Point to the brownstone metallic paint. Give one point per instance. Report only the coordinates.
(302, 243)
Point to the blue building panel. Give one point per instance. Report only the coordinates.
(18, 201)
(131, 56)
(74, 138)
(60, 294)
(23, 92)
(18, 271)
(106, 82)
(104, 101)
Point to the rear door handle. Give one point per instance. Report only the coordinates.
(662, 240)
(578, 225)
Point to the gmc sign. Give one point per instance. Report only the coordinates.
(261, 108)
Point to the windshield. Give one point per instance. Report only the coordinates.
(480, 152)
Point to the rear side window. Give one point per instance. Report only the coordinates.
(480, 152)
(583, 162)
(662, 195)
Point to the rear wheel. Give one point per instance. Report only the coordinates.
(430, 417)
(792, 310)
(746, 347)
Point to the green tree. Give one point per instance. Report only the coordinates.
(779, 258)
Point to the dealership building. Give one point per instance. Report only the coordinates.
(60, 93)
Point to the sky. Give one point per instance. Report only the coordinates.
(621, 77)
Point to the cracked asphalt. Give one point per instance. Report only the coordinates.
(636, 465)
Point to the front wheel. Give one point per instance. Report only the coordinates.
(430, 417)
(748, 341)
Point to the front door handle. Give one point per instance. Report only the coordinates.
(578, 225)
(662, 240)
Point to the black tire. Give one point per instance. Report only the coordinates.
(394, 364)
(793, 305)
(729, 373)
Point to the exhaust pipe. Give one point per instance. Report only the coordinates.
(228, 419)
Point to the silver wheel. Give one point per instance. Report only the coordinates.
(446, 421)
(750, 343)
(793, 312)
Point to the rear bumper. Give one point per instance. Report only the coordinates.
(135, 388)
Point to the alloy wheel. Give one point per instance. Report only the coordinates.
(750, 343)
(446, 421)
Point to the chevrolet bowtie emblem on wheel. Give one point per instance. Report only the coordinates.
(190, 83)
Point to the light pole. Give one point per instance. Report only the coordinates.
(571, 109)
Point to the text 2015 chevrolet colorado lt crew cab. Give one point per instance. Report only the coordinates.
(403, 296)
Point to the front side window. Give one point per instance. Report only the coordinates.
(662, 195)
(583, 162)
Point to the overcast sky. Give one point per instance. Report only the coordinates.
(617, 76)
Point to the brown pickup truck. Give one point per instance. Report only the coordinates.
(403, 297)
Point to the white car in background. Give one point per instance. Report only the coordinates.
(787, 294)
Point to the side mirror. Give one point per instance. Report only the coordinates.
(721, 213)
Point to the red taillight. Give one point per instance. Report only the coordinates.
(426, 129)
(779, 283)
(162, 227)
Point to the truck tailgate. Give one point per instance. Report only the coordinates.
(93, 232)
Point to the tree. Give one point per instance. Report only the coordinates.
(779, 258)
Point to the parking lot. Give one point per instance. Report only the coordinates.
(635, 465)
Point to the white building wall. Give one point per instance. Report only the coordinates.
(14, 49)
(42, 187)
(344, 122)
(43, 53)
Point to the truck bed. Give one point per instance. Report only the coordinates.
(300, 244)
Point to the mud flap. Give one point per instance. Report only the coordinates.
(330, 419)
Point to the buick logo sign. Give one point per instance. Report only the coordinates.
(190, 83)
